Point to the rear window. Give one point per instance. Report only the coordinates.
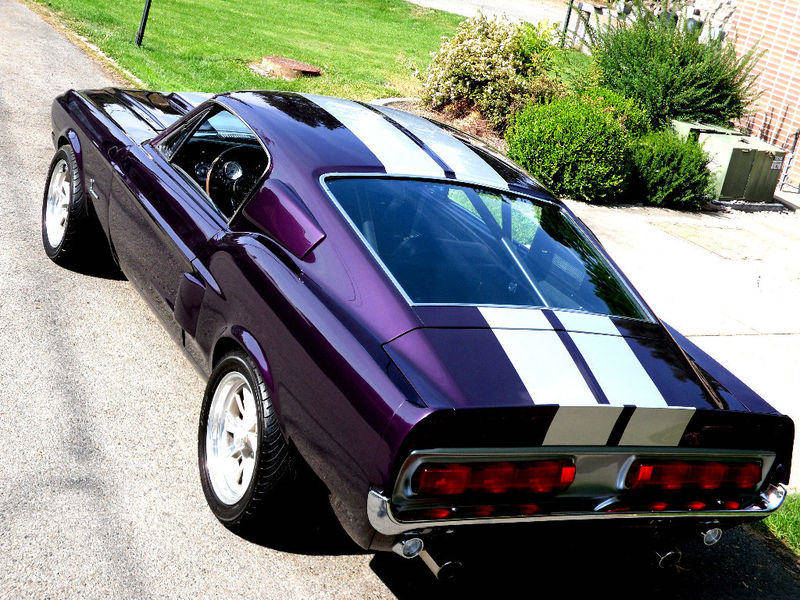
(446, 243)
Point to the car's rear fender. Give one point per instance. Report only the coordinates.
(333, 396)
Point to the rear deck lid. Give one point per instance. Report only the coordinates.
(470, 357)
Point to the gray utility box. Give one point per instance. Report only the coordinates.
(744, 167)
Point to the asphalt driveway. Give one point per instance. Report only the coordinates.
(99, 495)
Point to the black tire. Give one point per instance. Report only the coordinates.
(78, 226)
(275, 467)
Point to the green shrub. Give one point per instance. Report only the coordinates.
(628, 112)
(672, 171)
(674, 75)
(572, 148)
(576, 71)
(493, 65)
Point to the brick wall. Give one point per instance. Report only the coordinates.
(774, 25)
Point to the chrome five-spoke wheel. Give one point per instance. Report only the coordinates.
(232, 438)
(246, 466)
(58, 198)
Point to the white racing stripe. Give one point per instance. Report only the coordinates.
(582, 425)
(545, 367)
(616, 368)
(656, 426)
(396, 151)
(466, 164)
(502, 317)
(584, 322)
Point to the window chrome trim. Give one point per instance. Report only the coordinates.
(638, 301)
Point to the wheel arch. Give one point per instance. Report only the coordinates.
(238, 338)
(69, 137)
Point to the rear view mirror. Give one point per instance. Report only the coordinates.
(277, 211)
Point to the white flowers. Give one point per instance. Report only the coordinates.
(489, 63)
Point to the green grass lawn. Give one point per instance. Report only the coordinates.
(366, 48)
(785, 524)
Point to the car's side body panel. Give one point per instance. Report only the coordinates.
(359, 376)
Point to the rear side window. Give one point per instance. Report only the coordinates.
(446, 243)
(222, 156)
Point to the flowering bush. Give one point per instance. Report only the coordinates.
(493, 65)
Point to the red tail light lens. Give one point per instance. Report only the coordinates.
(745, 476)
(537, 477)
(711, 475)
(546, 477)
(670, 475)
(442, 479)
(493, 478)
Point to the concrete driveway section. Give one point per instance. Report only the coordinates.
(99, 492)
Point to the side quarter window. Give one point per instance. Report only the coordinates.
(222, 156)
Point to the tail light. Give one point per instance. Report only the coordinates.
(673, 475)
(443, 479)
(526, 477)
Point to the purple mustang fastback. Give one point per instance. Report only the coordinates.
(394, 303)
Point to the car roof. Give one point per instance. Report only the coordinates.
(338, 135)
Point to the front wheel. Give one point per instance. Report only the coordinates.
(245, 462)
(64, 216)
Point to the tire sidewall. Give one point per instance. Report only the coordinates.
(66, 153)
(230, 513)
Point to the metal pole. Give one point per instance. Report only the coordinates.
(566, 23)
(142, 25)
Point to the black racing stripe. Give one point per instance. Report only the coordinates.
(580, 362)
(669, 371)
(448, 172)
(619, 427)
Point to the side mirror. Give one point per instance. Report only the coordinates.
(278, 211)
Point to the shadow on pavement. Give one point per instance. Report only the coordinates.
(743, 565)
(94, 257)
(101, 266)
(553, 562)
(306, 525)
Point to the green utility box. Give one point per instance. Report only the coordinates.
(744, 167)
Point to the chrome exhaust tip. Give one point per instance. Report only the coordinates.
(712, 536)
(446, 572)
(450, 571)
(409, 548)
(671, 558)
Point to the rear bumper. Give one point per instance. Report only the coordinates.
(379, 512)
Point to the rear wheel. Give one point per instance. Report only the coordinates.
(245, 462)
(65, 219)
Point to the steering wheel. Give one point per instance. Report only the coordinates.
(228, 180)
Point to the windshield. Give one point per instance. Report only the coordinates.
(446, 243)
